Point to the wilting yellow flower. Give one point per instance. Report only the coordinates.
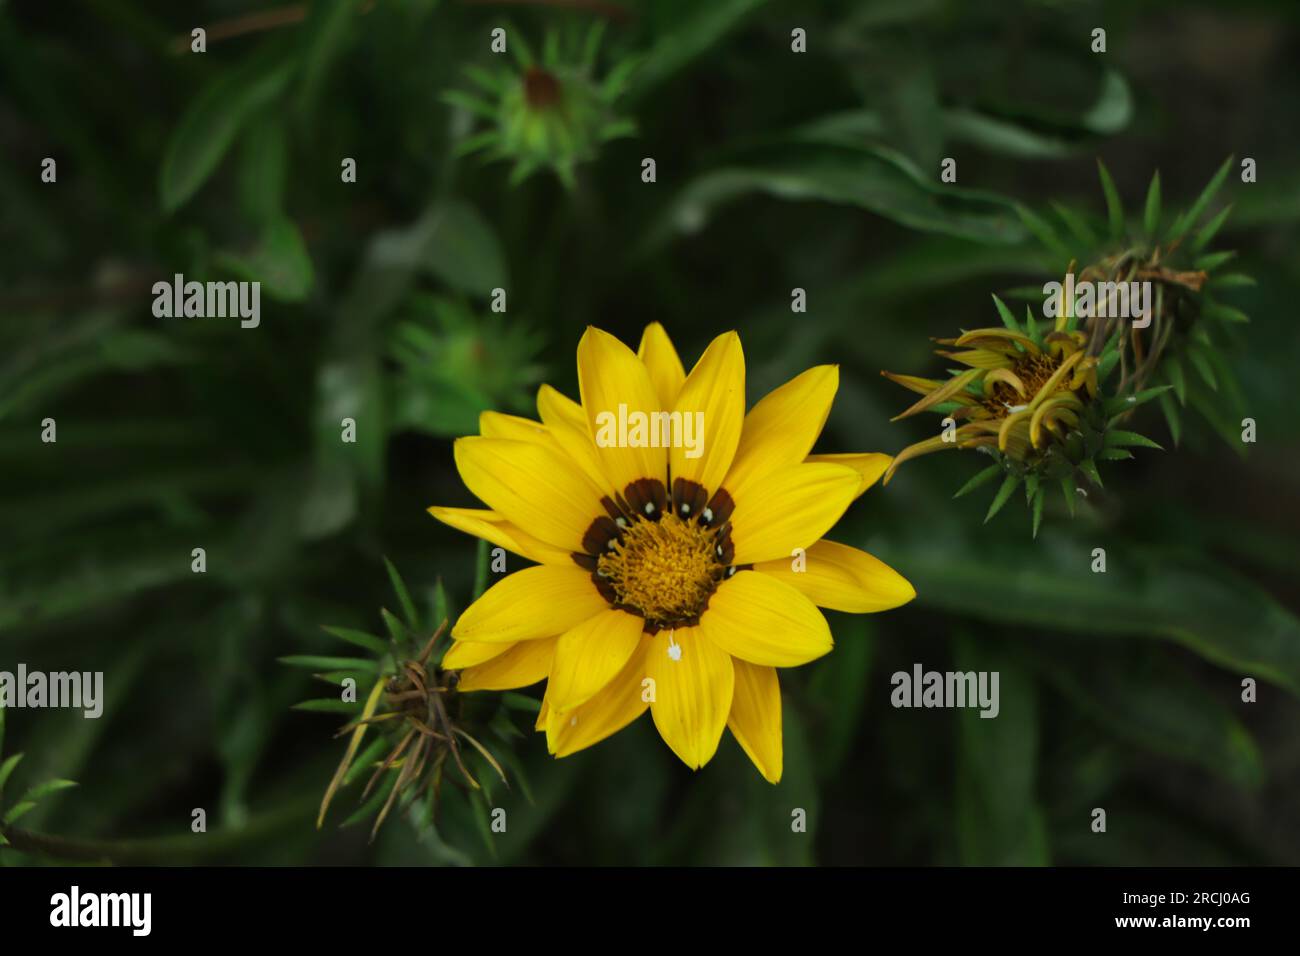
(1015, 395)
(666, 578)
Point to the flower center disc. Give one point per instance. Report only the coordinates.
(1034, 372)
(665, 570)
(541, 89)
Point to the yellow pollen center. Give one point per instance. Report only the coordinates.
(663, 569)
(1034, 371)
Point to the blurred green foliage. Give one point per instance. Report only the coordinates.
(775, 170)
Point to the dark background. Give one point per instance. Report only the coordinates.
(1120, 691)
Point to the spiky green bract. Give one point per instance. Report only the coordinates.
(1192, 331)
(550, 112)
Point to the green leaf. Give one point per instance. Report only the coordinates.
(7, 768)
(210, 124)
(1123, 404)
(1208, 231)
(521, 702)
(1151, 216)
(1188, 219)
(1114, 208)
(1115, 438)
(1031, 487)
(1231, 280)
(999, 822)
(1219, 312)
(1204, 606)
(280, 262)
(263, 169)
(1135, 695)
(319, 663)
(1174, 369)
(360, 638)
(1038, 510)
(328, 30)
(396, 629)
(1008, 319)
(868, 177)
(1044, 233)
(838, 684)
(43, 790)
(364, 761)
(403, 596)
(1089, 468)
(1172, 418)
(982, 478)
(463, 250)
(1008, 486)
(1202, 366)
(1213, 260)
(328, 705)
(1069, 494)
(1076, 224)
(17, 811)
(688, 37)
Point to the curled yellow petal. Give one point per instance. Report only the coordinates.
(954, 389)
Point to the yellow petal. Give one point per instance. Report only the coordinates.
(790, 508)
(609, 375)
(525, 663)
(954, 388)
(869, 465)
(494, 528)
(621, 701)
(532, 485)
(541, 601)
(693, 681)
(913, 383)
(663, 363)
(763, 620)
(978, 358)
(937, 443)
(499, 425)
(714, 398)
(464, 654)
(568, 425)
(842, 578)
(1007, 376)
(782, 428)
(589, 656)
(755, 719)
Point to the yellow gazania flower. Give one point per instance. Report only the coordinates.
(664, 580)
